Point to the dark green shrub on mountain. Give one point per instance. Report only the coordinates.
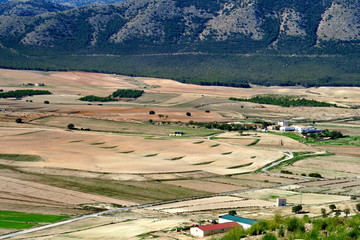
(23, 93)
(93, 98)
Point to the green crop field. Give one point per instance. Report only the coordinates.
(21, 157)
(21, 220)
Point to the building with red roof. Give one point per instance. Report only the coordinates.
(208, 230)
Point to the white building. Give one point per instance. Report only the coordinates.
(207, 230)
(283, 124)
(286, 129)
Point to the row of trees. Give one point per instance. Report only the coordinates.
(225, 126)
(326, 134)
(120, 93)
(284, 101)
(93, 98)
(23, 93)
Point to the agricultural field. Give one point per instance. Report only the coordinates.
(123, 153)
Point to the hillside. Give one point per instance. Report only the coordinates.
(319, 28)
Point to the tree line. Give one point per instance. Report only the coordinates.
(284, 101)
(23, 93)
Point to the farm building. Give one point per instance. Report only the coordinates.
(304, 129)
(281, 202)
(244, 222)
(283, 124)
(286, 129)
(177, 133)
(208, 230)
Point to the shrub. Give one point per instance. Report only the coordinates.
(188, 114)
(269, 236)
(296, 209)
(332, 207)
(316, 175)
(151, 112)
(357, 206)
(285, 171)
(93, 98)
(18, 120)
(46, 102)
(71, 126)
(232, 212)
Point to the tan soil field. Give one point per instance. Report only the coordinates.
(213, 203)
(205, 186)
(109, 153)
(293, 197)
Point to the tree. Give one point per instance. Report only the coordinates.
(332, 207)
(323, 212)
(296, 209)
(357, 206)
(232, 212)
(71, 126)
(151, 112)
(46, 102)
(347, 211)
(18, 120)
(188, 114)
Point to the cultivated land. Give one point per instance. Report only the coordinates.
(117, 157)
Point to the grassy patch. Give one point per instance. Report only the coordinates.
(291, 135)
(240, 166)
(151, 155)
(29, 217)
(226, 153)
(215, 145)
(97, 143)
(21, 157)
(203, 163)
(111, 147)
(346, 141)
(76, 141)
(127, 151)
(15, 225)
(176, 158)
(297, 157)
(137, 191)
(254, 142)
(21, 220)
(199, 142)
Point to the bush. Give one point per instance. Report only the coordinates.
(269, 236)
(286, 172)
(46, 102)
(357, 206)
(93, 98)
(332, 207)
(18, 120)
(71, 126)
(232, 212)
(316, 175)
(296, 209)
(188, 114)
(151, 112)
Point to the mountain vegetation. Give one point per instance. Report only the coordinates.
(218, 42)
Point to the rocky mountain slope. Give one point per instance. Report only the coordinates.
(270, 24)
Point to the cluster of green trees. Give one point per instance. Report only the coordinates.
(93, 98)
(120, 93)
(284, 101)
(127, 93)
(326, 134)
(224, 126)
(23, 93)
(335, 228)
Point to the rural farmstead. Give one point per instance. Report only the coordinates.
(208, 230)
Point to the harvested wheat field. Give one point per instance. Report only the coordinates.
(130, 154)
(213, 203)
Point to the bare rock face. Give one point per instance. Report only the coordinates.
(233, 19)
(292, 23)
(340, 22)
(146, 23)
